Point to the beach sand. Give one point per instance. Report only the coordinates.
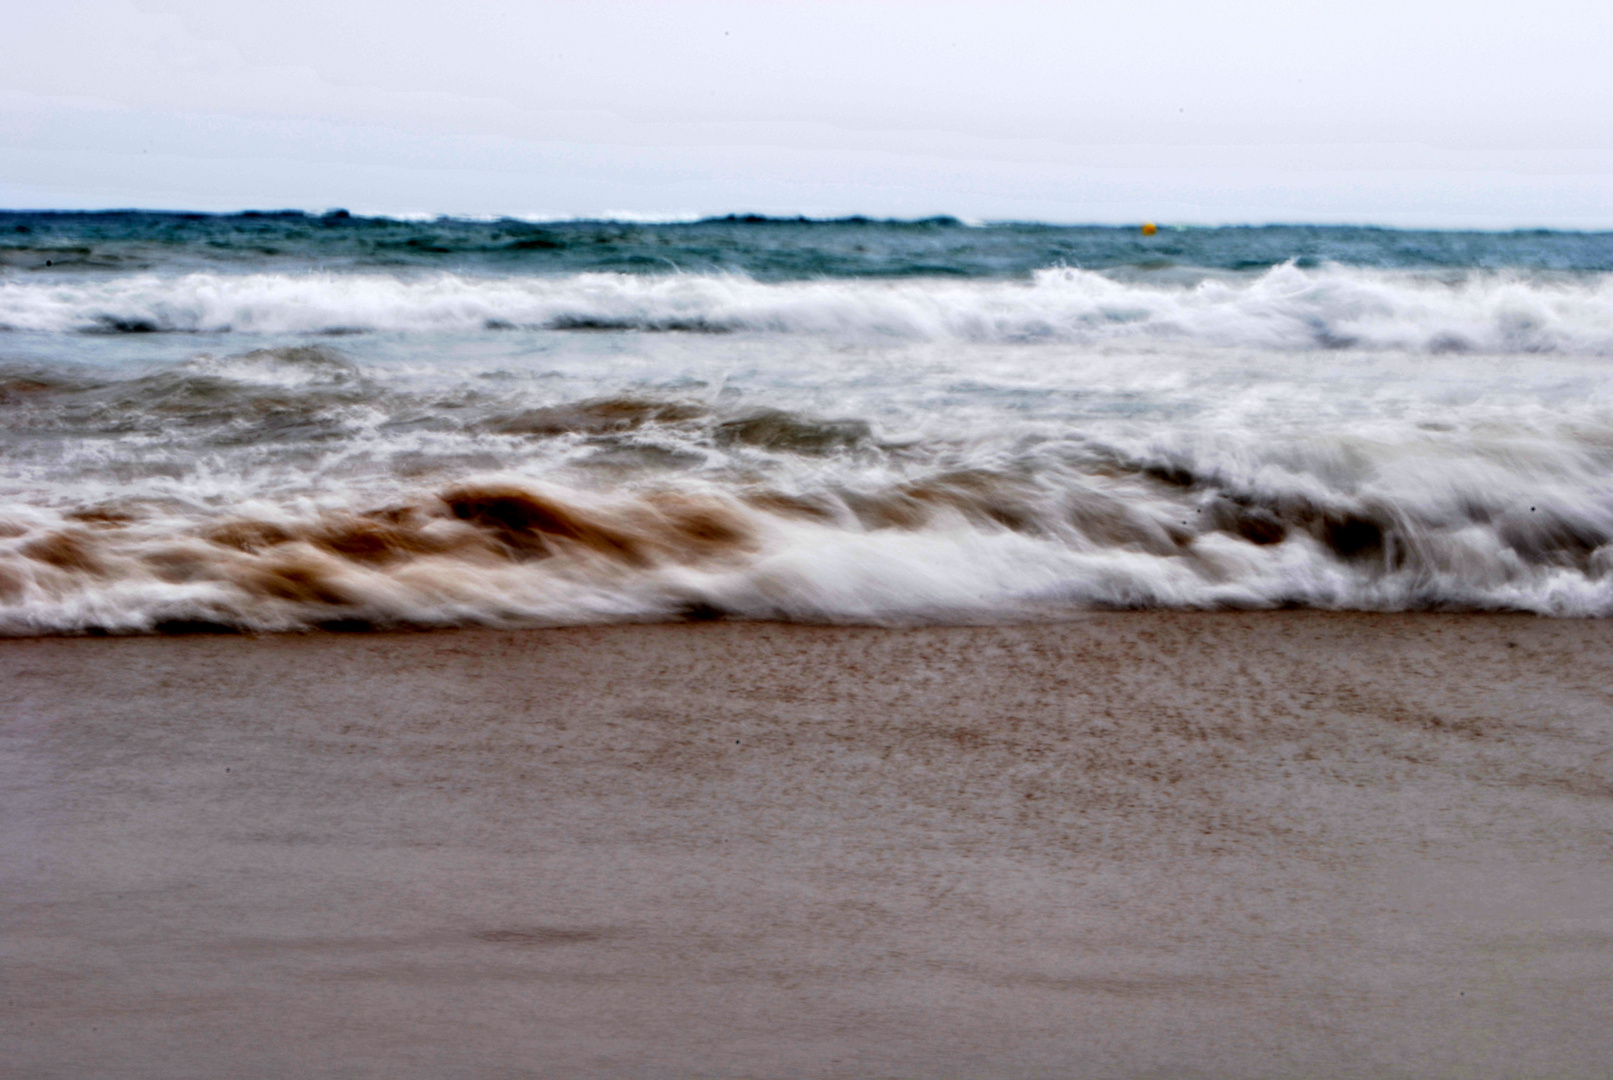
(1290, 844)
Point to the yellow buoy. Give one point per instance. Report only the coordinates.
(1149, 228)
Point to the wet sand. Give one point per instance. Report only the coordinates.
(1134, 845)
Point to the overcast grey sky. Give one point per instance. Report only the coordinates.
(1410, 112)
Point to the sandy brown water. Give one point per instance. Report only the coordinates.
(1134, 845)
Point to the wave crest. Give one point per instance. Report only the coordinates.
(1286, 307)
(954, 545)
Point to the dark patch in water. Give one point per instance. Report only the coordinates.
(297, 582)
(598, 416)
(100, 515)
(421, 243)
(511, 510)
(528, 523)
(1256, 524)
(665, 325)
(1360, 535)
(534, 243)
(364, 545)
(984, 498)
(630, 456)
(65, 551)
(110, 325)
(698, 527)
(1353, 536)
(375, 539)
(1170, 473)
(772, 429)
(249, 536)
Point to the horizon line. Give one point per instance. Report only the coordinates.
(622, 217)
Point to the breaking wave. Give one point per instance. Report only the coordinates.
(925, 431)
(1286, 307)
(1093, 528)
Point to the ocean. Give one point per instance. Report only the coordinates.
(285, 421)
(855, 653)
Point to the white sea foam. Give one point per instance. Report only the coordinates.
(1287, 307)
(862, 451)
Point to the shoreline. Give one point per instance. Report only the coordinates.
(1207, 844)
(705, 615)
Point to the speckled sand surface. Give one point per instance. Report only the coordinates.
(1138, 844)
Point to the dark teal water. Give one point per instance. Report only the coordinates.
(767, 249)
